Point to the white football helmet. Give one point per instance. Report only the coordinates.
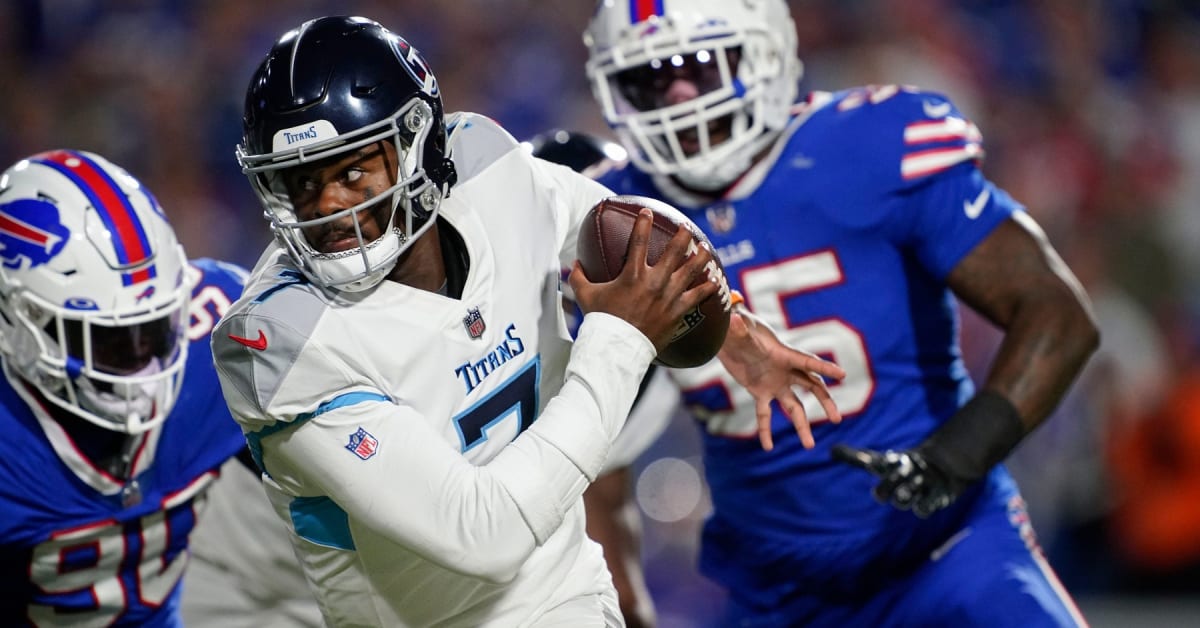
(740, 54)
(93, 296)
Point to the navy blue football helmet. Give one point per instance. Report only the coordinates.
(328, 87)
(582, 152)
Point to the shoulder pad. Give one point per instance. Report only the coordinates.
(259, 341)
(903, 134)
(476, 142)
(221, 273)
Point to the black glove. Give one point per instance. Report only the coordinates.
(906, 478)
(961, 451)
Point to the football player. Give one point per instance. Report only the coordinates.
(850, 221)
(399, 361)
(113, 422)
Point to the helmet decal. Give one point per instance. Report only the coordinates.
(303, 135)
(641, 10)
(131, 244)
(80, 304)
(415, 64)
(31, 233)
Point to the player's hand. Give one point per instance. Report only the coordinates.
(773, 371)
(651, 298)
(907, 479)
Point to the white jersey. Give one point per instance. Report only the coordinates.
(396, 427)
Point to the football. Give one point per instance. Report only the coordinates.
(603, 243)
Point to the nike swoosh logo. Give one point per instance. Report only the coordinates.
(936, 111)
(974, 208)
(260, 343)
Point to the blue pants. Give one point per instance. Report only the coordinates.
(990, 573)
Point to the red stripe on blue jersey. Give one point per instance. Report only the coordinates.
(131, 244)
(641, 10)
(937, 145)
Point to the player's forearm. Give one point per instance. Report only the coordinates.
(415, 492)
(547, 469)
(1046, 344)
(422, 494)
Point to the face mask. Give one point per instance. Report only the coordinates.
(131, 402)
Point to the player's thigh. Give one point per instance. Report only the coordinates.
(992, 573)
(596, 610)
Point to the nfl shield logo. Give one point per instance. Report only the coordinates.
(721, 218)
(473, 321)
(362, 444)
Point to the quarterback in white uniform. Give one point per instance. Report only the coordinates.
(399, 360)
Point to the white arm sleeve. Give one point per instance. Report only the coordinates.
(651, 414)
(419, 492)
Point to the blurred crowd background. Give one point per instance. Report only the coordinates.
(1090, 111)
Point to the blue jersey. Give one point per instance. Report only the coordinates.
(841, 239)
(77, 546)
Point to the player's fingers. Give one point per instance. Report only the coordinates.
(831, 410)
(901, 484)
(639, 240)
(763, 411)
(808, 362)
(580, 285)
(677, 249)
(883, 494)
(694, 296)
(815, 385)
(898, 490)
(795, 411)
(691, 267)
(862, 458)
(865, 459)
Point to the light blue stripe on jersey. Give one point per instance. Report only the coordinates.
(289, 277)
(319, 520)
(254, 440)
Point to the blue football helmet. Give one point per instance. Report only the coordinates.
(579, 151)
(328, 87)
